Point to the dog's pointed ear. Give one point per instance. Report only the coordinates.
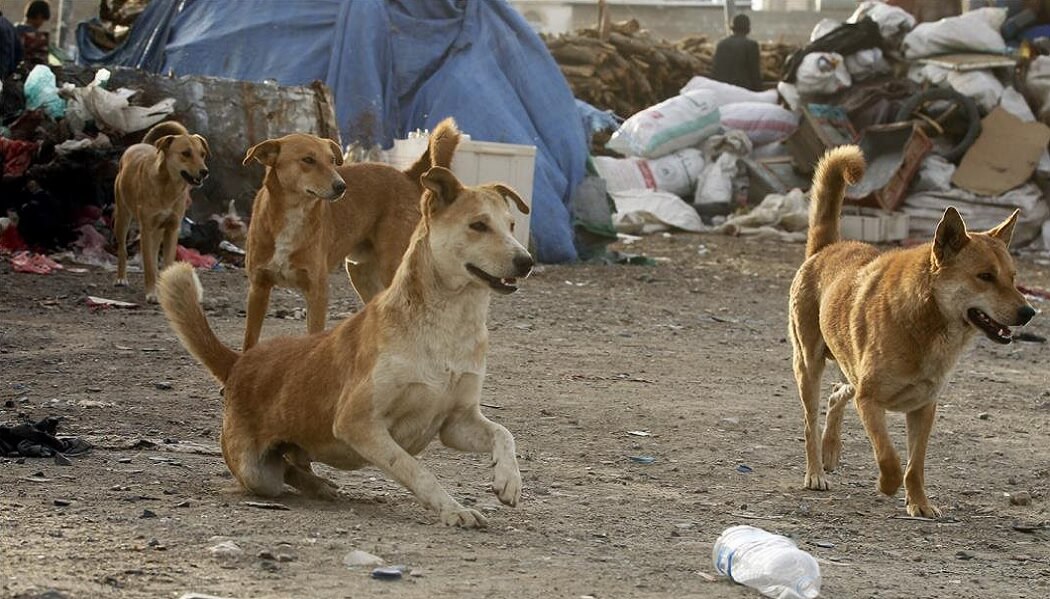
(164, 143)
(442, 185)
(337, 152)
(204, 144)
(1004, 231)
(265, 152)
(513, 196)
(951, 236)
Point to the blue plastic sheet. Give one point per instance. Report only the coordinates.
(393, 66)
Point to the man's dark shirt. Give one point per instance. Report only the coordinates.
(737, 62)
(10, 47)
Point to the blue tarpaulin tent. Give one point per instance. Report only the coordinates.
(394, 66)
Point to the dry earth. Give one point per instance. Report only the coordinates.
(691, 351)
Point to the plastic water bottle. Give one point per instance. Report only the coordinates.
(769, 563)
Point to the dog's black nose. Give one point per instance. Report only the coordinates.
(204, 173)
(523, 264)
(339, 187)
(1025, 314)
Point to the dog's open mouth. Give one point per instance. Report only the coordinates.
(504, 286)
(194, 181)
(992, 329)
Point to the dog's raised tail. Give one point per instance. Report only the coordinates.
(838, 168)
(442, 147)
(180, 293)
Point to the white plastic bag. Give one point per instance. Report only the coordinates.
(763, 123)
(716, 182)
(645, 211)
(894, 22)
(866, 64)
(727, 93)
(789, 91)
(983, 86)
(822, 73)
(1038, 83)
(675, 173)
(680, 122)
(974, 31)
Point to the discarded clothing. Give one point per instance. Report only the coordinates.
(195, 258)
(38, 440)
(37, 264)
(16, 156)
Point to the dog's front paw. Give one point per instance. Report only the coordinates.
(121, 282)
(151, 298)
(506, 484)
(924, 510)
(890, 480)
(463, 518)
(816, 481)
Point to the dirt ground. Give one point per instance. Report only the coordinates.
(691, 351)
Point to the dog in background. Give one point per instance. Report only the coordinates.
(299, 233)
(380, 386)
(152, 186)
(895, 323)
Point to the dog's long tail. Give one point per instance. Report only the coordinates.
(440, 150)
(838, 169)
(180, 295)
(162, 130)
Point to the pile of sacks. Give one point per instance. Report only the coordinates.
(686, 150)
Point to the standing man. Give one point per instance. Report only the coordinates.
(34, 41)
(10, 48)
(737, 58)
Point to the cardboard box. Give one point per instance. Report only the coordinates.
(1004, 156)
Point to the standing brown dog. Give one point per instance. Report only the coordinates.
(153, 186)
(299, 232)
(895, 324)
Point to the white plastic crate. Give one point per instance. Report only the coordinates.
(478, 162)
(874, 226)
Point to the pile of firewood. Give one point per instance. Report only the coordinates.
(630, 69)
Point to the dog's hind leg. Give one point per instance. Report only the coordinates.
(832, 439)
(808, 361)
(299, 474)
(121, 222)
(874, 419)
(920, 423)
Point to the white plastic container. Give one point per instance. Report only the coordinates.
(771, 564)
(478, 162)
(871, 225)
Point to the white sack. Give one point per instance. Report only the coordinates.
(824, 27)
(894, 22)
(822, 73)
(763, 123)
(973, 31)
(643, 211)
(675, 173)
(866, 64)
(727, 93)
(680, 122)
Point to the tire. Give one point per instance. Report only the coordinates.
(972, 115)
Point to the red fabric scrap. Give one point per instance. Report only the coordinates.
(11, 241)
(38, 264)
(17, 156)
(195, 258)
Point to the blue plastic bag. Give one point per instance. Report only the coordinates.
(41, 91)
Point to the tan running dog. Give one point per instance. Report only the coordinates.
(377, 388)
(152, 187)
(895, 323)
(299, 233)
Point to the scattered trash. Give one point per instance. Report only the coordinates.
(361, 558)
(62, 502)
(984, 416)
(38, 440)
(1030, 337)
(147, 514)
(744, 469)
(824, 544)
(642, 459)
(99, 303)
(195, 258)
(226, 550)
(769, 563)
(267, 505)
(390, 573)
(639, 433)
(38, 264)
(163, 385)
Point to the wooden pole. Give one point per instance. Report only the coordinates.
(730, 12)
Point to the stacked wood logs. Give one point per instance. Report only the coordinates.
(631, 69)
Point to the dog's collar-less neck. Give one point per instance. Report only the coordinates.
(422, 290)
